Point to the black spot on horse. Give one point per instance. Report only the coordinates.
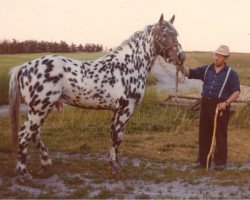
(34, 127)
(36, 70)
(45, 61)
(36, 85)
(123, 102)
(39, 75)
(36, 64)
(48, 93)
(49, 66)
(37, 102)
(86, 63)
(45, 105)
(23, 127)
(25, 73)
(40, 88)
(74, 73)
(45, 100)
(32, 93)
(33, 100)
(82, 66)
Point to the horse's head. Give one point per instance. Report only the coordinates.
(166, 43)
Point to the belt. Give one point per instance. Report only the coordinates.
(212, 100)
(209, 98)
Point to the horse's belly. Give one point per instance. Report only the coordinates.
(95, 102)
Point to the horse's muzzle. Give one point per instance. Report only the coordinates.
(182, 57)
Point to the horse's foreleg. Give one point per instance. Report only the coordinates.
(119, 121)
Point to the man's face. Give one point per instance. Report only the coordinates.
(219, 60)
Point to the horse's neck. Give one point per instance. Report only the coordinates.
(139, 49)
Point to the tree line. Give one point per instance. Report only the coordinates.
(34, 46)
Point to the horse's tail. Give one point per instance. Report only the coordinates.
(14, 105)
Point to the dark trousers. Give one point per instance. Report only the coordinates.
(207, 113)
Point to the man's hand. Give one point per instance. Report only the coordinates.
(179, 68)
(183, 69)
(222, 106)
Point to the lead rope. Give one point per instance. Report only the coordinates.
(177, 80)
(213, 138)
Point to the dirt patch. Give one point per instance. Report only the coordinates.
(84, 185)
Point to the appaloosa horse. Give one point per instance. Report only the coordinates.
(114, 82)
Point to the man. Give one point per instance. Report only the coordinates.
(221, 87)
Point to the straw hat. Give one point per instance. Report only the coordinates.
(223, 50)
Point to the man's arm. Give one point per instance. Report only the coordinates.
(222, 106)
(233, 97)
(184, 70)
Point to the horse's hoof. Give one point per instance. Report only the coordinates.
(24, 178)
(114, 167)
(46, 164)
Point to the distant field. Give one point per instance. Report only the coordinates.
(239, 61)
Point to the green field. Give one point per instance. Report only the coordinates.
(157, 153)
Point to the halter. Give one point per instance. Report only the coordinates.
(163, 49)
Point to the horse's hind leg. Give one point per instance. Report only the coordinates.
(30, 130)
(35, 136)
(23, 140)
(44, 153)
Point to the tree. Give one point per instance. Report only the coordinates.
(34, 46)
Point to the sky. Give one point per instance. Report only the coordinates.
(202, 24)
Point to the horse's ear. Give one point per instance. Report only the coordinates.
(161, 20)
(172, 19)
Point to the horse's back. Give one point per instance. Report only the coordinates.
(51, 79)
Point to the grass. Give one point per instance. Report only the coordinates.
(167, 132)
(156, 136)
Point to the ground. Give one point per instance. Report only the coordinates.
(94, 183)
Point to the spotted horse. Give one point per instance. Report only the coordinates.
(113, 82)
